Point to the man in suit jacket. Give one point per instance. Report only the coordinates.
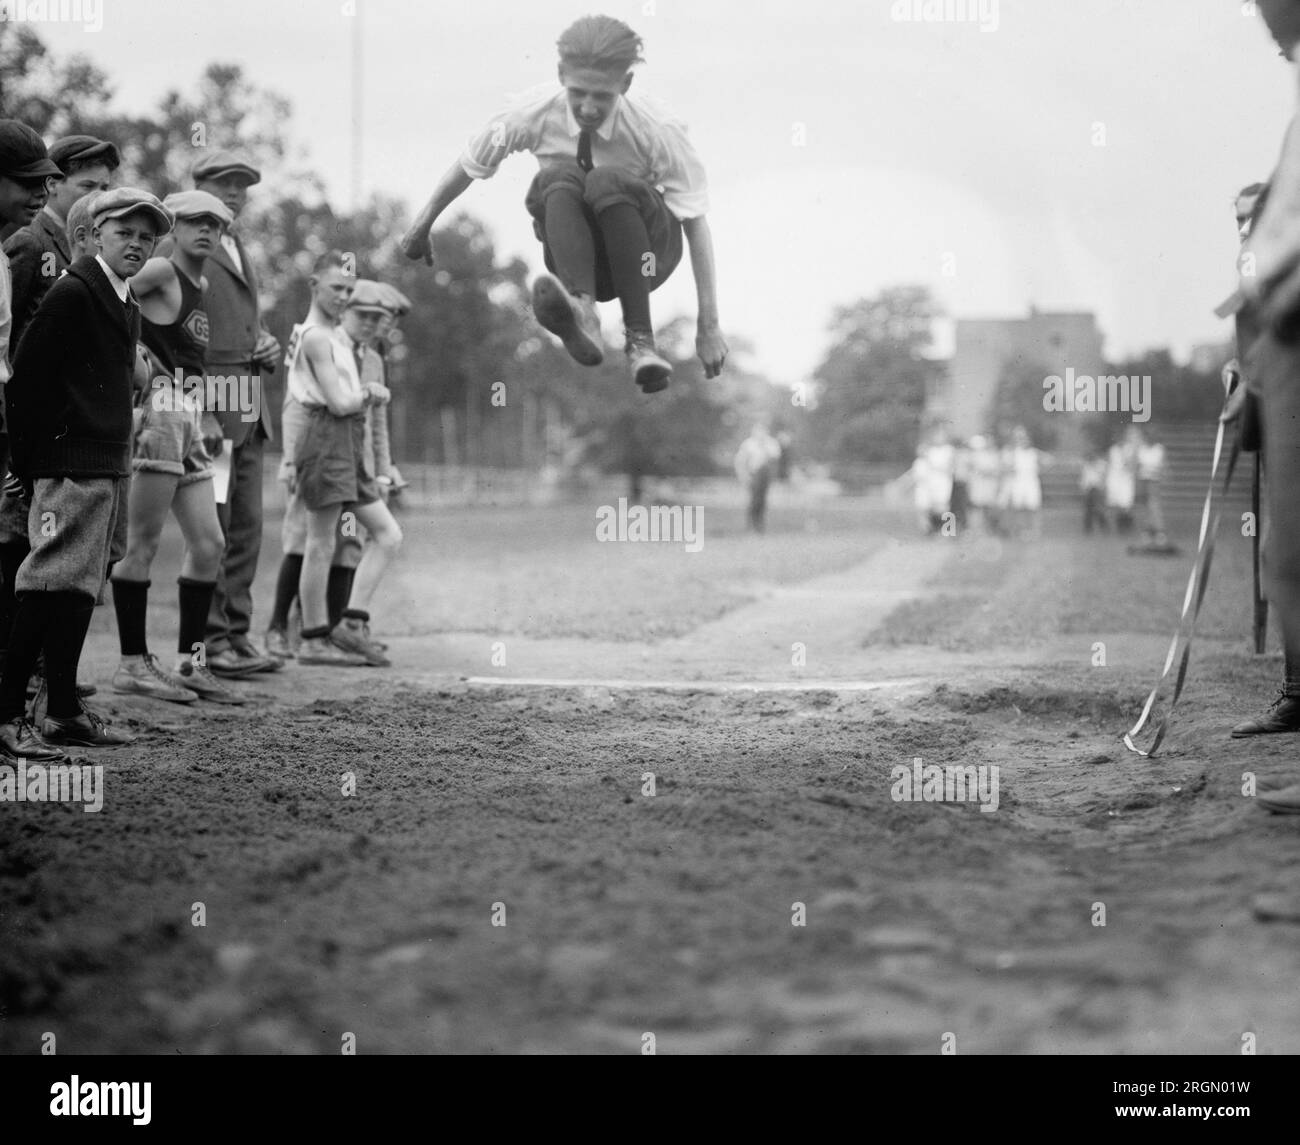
(239, 346)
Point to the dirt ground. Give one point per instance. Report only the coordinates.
(768, 689)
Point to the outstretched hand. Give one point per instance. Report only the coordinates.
(712, 348)
(417, 245)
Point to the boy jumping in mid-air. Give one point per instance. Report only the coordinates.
(618, 185)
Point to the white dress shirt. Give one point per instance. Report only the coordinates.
(638, 135)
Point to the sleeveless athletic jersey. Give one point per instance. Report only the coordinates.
(182, 344)
(302, 384)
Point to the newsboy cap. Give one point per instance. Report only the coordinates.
(196, 204)
(84, 149)
(122, 201)
(22, 152)
(367, 295)
(214, 164)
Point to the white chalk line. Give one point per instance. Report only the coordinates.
(717, 686)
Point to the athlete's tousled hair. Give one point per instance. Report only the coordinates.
(600, 43)
(328, 259)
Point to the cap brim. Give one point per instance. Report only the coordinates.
(35, 170)
(162, 219)
(249, 173)
(371, 308)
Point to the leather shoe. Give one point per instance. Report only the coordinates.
(1282, 716)
(19, 740)
(233, 666)
(85, 730)
(245, 649)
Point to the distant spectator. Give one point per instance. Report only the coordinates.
(932, 474)
(756, 463)
(1150, 469)
(1022, 490)
(1121, 485)
(984, 479)
(1092, 483)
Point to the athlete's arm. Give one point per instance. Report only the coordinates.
(1274, 242)
(709, 342)
(316, 345)
(417, 242)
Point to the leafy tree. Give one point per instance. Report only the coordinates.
(873, 381)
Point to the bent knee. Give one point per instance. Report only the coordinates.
(605, 186)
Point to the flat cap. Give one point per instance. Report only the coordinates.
(196, 204)
(84, 149)
(22, 152)
(121, 201)
(367, 295)
(214, 164)
(397, 302)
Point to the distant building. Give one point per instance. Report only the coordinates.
(984, 347)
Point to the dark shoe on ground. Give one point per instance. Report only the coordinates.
(570, 317)
(650, 370)
(322, 651)
(1282, 716)
(20, 740)
(86, 730)
(350, 636)
(245, 649)
(277, 644)
(202, 682)
(233, 666)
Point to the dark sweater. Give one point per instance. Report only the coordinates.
(70, 398)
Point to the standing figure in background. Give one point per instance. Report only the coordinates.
(1121, 485)
(960, 501)
(984, 465)
(1024, 488)
(756, 462)
(1092, 483)
(1150, 470)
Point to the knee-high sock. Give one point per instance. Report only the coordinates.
(195, 600)
(131, 603)
(338, 590)
(286, 590)
(12, 554)
(626, 244)
(26, 639)
(65, 636)
(569, 238)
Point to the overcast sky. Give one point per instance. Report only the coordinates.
(1077, 154)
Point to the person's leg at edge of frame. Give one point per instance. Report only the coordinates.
(1275, 366)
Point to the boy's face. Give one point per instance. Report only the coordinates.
(384, 325)
(331, 289)
(360, 325)
(198, 237)
(127, 243)
(231, 189)
(592, 94)
(21, 200)
(67, 191)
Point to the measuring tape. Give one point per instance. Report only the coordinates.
(1196, 583)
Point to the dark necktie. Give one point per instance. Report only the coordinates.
(584, 150)
(359, 353)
